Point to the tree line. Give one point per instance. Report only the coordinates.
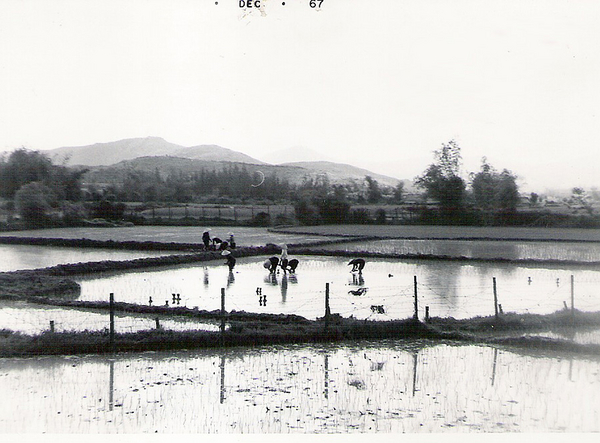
(42, 192)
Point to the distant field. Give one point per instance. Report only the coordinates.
(244, 236)
(452, 232)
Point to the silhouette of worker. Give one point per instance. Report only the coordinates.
(271, 264)
(358, 264)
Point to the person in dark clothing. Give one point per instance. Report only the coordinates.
(223, 246)
(358, 264)
(292, 265)
(231, 241)
(271, 264)
(206, 239)
(229, 260)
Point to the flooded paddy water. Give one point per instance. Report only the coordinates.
(393, 386)
(19, 257)
(35, 319)
(244, 236)
(565, 251)
(449, 289)
(388, 386)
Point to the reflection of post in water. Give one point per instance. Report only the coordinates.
(230, 278)
(205, 276)
(111, 384)
(494, 365)
(284, 287)
(415, 356)
(222, 365)
(326, 375)
(571, 369)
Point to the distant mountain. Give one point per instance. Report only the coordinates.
(214, 153)
(339, 172)
(102, 154)
(109, 161)
(296, 154)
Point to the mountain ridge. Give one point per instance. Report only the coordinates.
(157, 153)
(131, 148)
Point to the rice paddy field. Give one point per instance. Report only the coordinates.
(244, 236)
(410, 385)
(479, 249)
(414, 387)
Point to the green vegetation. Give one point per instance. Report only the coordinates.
(38, 189)
(39, 193)
(259, 329)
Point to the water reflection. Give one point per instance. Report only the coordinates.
(271, 279)
(37, 319)
(513, 250)
(326, 375)
(284, 288)
(230, 279)
(494, 365)
(357, 279)
(396, 386)
(18, 257)
(222, 390)
(447, 288)
(415, 357)
(111, 384)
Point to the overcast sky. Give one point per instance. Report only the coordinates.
(375, 83)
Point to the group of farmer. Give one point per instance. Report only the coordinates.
(216, 244)
(282, 261)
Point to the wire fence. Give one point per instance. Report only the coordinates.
(385, 300)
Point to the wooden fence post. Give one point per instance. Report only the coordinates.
(157, 323)
(51, 325)
(416, 314)
(112, 320)
(327, 309)
(427, 314)
(495, 298)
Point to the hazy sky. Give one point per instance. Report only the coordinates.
(375, 83)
